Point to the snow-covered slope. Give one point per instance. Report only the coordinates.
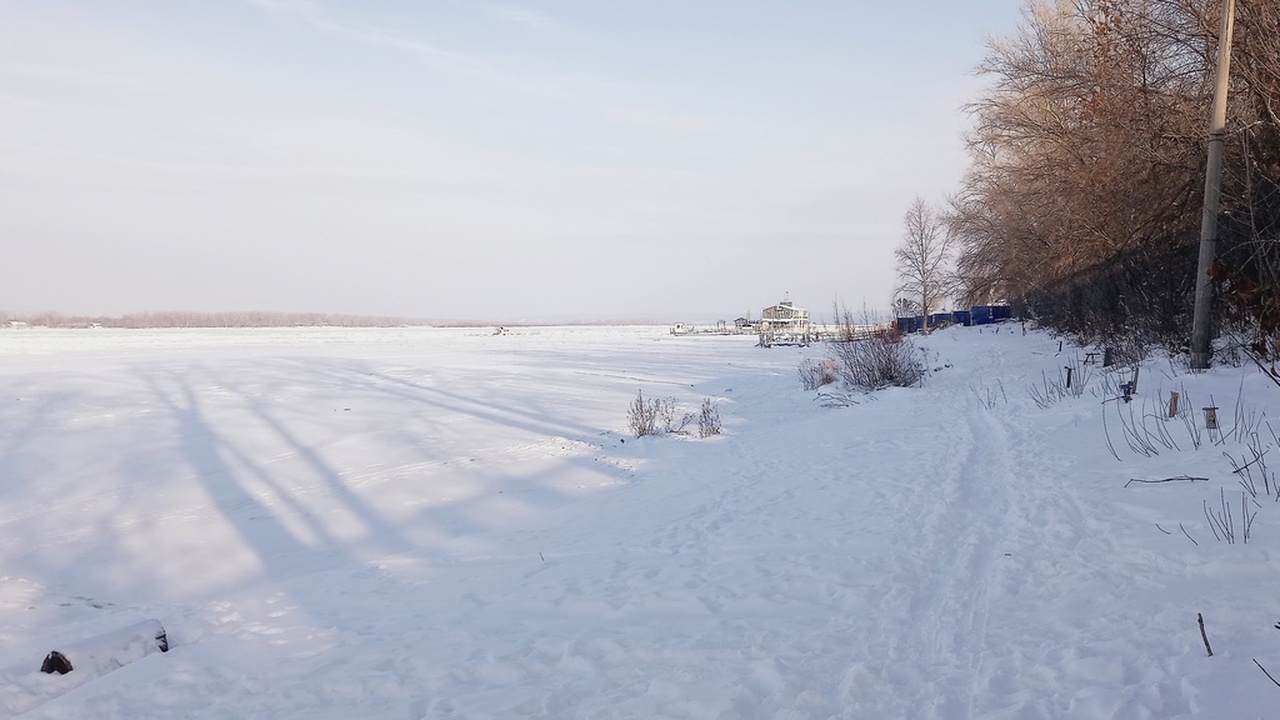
(452, 524)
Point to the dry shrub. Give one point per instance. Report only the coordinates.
(877, 362)
(669, 416)
(708, 419)
(815, 374)
(642, 416)
(662, 416)
(867, 355)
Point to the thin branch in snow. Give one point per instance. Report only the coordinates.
(1204, 636)
(1107, 434)
(1184, 532)
(1245, 466)
(1264, 671)
(1246, 518)
(1222, 522)
(1180, 478)
(1274, 379)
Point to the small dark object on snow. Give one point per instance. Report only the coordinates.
(109, 651)
(56, 662)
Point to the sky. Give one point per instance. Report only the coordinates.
(570, 160)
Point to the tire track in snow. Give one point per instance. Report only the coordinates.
(1004, 455)
(924, 659)
(998, 471)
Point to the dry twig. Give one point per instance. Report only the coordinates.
(1180, 478)
(1264, 672)
(1203, 636)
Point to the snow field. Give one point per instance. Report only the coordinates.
(448, 524)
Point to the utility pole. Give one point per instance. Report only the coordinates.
(1201, 330)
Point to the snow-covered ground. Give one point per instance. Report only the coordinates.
(429, 523)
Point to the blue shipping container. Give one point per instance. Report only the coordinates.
(986, 314)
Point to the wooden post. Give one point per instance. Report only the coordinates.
(1211, 418)
(1201, 320)
(1173, 404)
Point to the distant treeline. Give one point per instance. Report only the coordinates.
(185, 319)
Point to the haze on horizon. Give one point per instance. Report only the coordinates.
(459, 159)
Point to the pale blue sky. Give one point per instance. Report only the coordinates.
(457, 159)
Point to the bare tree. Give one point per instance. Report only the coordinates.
(903, 307)
(924, 257)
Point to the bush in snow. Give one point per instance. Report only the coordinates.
(877, 362)
(669, 418)
(814, 374)
(865, 356)
(708, 419)
(642, 417)
(662, 416)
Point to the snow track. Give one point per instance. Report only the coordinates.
(939, 539)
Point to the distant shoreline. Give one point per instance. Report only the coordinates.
(262, 319)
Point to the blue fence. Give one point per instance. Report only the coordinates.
(977, 315)
(910, 324)
(985, 314)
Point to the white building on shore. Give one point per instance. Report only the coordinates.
(785, 324)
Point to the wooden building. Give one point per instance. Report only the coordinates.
(785, 324)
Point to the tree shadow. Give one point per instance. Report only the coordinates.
(211, 456)
(236, 447)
